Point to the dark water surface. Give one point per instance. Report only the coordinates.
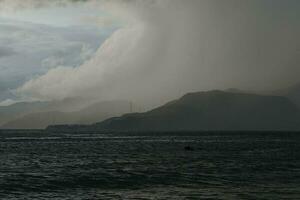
(222, 166)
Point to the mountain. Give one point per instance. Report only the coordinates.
(10, 112)
(20, 109)
(292, 92)
(212, 110)
(88, 115)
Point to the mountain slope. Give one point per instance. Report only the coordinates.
(91, 114)
(213, 110)
(8, 113)
(19, 110)
(293, 93)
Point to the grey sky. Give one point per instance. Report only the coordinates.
(169, 47)
(31, 43)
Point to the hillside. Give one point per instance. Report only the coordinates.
(10, 112)
(213, 110)
(293, 93)
(88, 115)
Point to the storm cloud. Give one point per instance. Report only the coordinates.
(167, 48)
(6, 51)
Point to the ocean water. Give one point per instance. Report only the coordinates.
(221, 166)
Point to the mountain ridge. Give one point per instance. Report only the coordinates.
(210, 110)
(87, 115)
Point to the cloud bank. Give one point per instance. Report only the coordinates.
(28, 50)
(167, 48)
(14, 5)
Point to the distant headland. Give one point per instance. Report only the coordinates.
(206, 111)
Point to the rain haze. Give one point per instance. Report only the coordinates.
(149, 99)
(145, 51)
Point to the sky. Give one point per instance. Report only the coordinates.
(149, 51)
(34, 40)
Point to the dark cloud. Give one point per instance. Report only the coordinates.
(6, 51)
(171, 47)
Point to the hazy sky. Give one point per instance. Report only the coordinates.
(34, 40)
(146, 50)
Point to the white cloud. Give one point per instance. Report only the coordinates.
(173, 47)
(63, 82)
(86, 52)
(28, 50)
(52, 62)
(7, 102)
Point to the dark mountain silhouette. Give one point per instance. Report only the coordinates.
(292, 93)
(213, 110)
(88, 115)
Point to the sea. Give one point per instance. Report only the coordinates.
(152, 166)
